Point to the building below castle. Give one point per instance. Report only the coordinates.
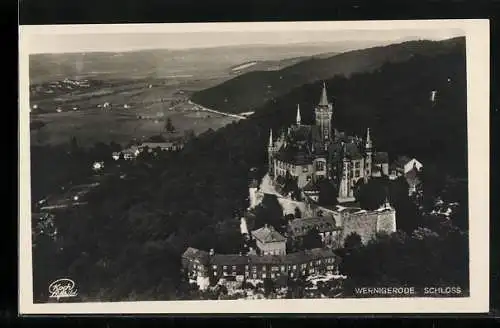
(207, 268)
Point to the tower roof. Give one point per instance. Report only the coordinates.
(323, 101)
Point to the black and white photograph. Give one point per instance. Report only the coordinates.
(307, 167)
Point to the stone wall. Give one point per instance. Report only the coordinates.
(386, 221)
(364, 224)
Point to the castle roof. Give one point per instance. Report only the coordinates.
(352, 151)
(196, 254)
(294, 155)
(323, 101)
(268, 234)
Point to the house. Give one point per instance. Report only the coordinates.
(325, 226)
(269, 241)
(202, 267)
(380, 164)
(228, 265)
(409, 168)
(163, 146)
(404, 164)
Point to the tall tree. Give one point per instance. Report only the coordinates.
(169, 127)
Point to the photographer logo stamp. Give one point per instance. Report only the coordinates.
(62, 288)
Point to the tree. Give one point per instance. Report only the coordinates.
(353, 240)
(269, 211)
(373, 193)
(327, 193)
(312, 239)
(169, 127)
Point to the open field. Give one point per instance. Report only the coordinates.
(137, 109)
(95, 125)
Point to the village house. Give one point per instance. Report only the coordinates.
(409, 169)
(201, 266)
(325, 226)
(269, 241)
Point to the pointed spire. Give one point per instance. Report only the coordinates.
(323, 101)
(270, 137)
(298, 115)
(368, 139)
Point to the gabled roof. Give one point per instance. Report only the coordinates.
(196, 254)
(228, 259)
(268, 234)
(401, 161)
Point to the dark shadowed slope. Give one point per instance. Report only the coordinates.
(249, 91)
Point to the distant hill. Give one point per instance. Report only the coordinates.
(165, 63)
(251, 90)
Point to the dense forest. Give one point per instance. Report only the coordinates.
(125, 244)
(250, 91)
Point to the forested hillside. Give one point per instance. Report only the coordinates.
(252, 90)
(125, 245)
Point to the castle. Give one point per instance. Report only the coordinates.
(311, 153)
(307, 155)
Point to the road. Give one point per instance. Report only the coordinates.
(200, 107)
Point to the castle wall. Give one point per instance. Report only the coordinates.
(364, 224)
(386, 221)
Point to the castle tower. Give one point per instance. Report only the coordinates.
(386, 218)
(368, 155)
(323, 113)
(298, 115)
(345, 190)
(270, 152)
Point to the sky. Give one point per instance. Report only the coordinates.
(92, 40)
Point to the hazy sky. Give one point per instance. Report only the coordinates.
(66, 41)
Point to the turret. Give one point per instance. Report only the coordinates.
(323, 113)
(298, 115)
(270, 153)
(368, 155)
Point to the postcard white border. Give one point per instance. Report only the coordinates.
(477, 42)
